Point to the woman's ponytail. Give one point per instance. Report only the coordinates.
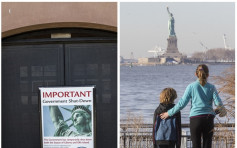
(202, 73)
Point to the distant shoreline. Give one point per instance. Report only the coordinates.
(155, 64)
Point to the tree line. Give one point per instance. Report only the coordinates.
(217, 55)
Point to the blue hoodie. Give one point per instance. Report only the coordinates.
(201, 99)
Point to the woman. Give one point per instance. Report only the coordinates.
(202, 95)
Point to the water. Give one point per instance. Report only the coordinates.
(140, 87)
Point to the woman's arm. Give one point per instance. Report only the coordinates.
(216, 98)
(217, 101)
(180, 105)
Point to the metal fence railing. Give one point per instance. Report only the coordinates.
(140, 136)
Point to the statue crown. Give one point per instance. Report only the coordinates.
(80, 107)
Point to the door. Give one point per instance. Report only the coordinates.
(29, 64)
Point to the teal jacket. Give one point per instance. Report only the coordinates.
(202, 98)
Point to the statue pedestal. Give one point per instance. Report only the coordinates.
(172, 49)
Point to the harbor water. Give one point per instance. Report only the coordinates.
(140, 87)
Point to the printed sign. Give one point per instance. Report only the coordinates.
(67, 117)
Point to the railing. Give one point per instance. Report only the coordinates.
(140, 136)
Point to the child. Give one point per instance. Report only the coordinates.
(202, 95)
(166, 133)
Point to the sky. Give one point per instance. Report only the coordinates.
(144, 25)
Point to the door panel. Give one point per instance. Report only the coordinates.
(24, 69)
(96, 64)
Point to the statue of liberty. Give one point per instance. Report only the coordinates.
(171, 24)
(80, 117)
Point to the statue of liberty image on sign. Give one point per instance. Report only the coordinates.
(77, 124)
(171, 23)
